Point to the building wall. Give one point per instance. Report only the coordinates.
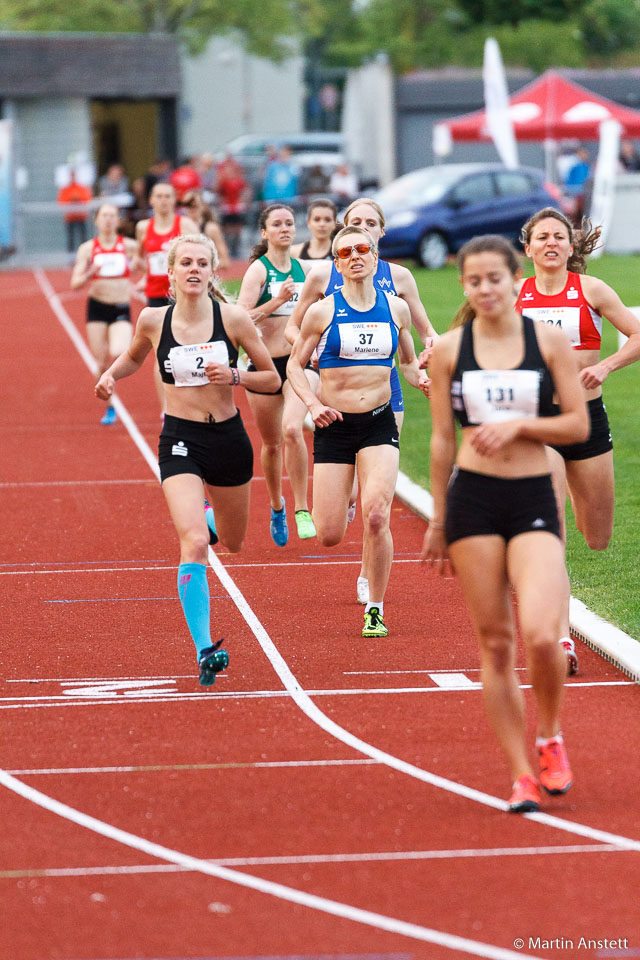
(227, 92)
(47, 131)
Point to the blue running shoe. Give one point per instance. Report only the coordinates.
(211, 523)
(278, 526)
(211, 661)
(110, 416)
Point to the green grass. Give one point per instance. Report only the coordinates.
(607, 582)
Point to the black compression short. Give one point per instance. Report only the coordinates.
(99, 312)
(479, 505)
(220, 453)
(342, 439)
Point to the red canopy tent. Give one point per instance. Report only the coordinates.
(549, 108)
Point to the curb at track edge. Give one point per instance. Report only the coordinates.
(609, 641)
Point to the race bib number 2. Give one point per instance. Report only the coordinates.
(187, 363)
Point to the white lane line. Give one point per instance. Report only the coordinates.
(164, 768)
(303, 859)
(455, 681)
(231, 566)
(157, 851)
(164, 696)
(74, 483)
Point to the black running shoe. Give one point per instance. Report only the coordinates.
(211, 661)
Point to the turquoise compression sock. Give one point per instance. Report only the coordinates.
(193, 590)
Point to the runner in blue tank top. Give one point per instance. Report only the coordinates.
(392, 278)
(355, 333)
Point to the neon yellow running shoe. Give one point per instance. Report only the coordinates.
(305, 525)
(374, 625)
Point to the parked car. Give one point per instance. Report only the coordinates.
(430, 213)
(310, 150)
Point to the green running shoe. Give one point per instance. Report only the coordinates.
(212, 660)
(304, 523)
(374, 624)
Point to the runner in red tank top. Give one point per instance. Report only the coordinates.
(559, 293)
(154, 236)
(105, 262)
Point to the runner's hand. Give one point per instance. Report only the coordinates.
(104, 387)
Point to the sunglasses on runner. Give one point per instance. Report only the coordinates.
(343, 253)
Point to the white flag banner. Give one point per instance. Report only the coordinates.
(604, 180)
(496, 101)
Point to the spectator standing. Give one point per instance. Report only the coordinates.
(186, 177)
(629, 157)
(343, 185)
(113, 182)
(233, 194)
(576, 182)
(75, 219)
(281, 179)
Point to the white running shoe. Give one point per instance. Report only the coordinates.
(569, 648)
(351, 512)
(362, 587)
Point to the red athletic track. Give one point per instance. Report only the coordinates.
(88, 571)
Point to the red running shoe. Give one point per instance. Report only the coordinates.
(569, 648)
(555, 772)
(526, 795)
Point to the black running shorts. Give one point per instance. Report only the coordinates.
(479, 505)
(341, 440)
(220, 453)
(599, 440)
(99, 312)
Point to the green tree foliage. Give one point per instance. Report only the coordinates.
(263, 24)
(514, 11)
(610, 25)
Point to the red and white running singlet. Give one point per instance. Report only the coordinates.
(113, 262)
(568, 310)
(155, 250)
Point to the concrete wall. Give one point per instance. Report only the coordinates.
(226, 93)
(47, 130)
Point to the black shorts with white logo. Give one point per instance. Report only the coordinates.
(341, 440)
(219, 453)
(599, 440)
(99, 312)
(479, 505)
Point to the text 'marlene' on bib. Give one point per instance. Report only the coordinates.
(158, 263)
(493, 396)
(188, 362)
(110, 264)
(567, 318)
(365, 341)
(275, 286)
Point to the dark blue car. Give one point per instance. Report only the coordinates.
(431, 212)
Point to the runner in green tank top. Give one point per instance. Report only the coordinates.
(270, 290)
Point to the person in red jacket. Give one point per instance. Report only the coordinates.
(75, 220)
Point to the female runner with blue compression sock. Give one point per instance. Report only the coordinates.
(203, 439)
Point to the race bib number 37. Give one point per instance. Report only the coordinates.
(493, 396)
(365, 341)
(187, 363)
